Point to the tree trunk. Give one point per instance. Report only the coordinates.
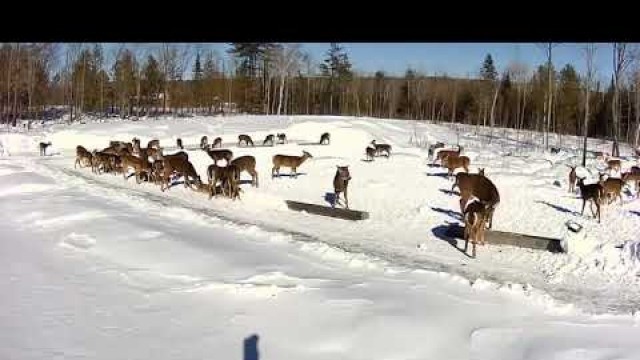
(280, 94)
(493, 107)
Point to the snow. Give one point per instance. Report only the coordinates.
(102, 268)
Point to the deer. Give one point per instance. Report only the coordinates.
(179, 144)
(180, 166)
(434, 147)
(455, 162)
(136, 147)
(381, 147)
(100, 159)
(139, 165)
(592, 193)
(444, 153)
(289, 161)
(270, 139)
(475, 216)
(282, 138)
(247, 163)
(246, 138)
(217, 142)
(229, 176)
(341, 184)
(218, 155)
(204, 142)
(155, 143)
(572, 178)
(83, 155)
(634, 177)
(43, 147)
(370, 153)
(464, 177)
(483, 189)
(611, 187)
(613, 164)
(325, 137)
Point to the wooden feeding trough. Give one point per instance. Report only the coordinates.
(328, 211)
(494, 237)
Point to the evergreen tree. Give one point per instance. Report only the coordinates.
(488, 71)
(337, 67)
(197, 68)
(568, 104)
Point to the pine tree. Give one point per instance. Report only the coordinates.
(337, 68)
(488, 71)
(197, 69)
(568, 102)
(152, 80)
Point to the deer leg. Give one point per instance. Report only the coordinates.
(294, 172)
(584, 202)
(346, 198)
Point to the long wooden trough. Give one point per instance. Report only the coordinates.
(328, 211)
(494, 237)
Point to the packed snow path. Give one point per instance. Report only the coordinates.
(97, 272)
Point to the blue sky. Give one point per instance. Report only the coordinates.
(455, 59)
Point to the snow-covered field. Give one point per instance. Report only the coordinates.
(96, 267)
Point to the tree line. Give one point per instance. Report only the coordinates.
(273, 78)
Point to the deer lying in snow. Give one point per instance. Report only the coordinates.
(479, 186)
(444, 153)
(593, 193)
(83, 156)
(289, 161)
(270, 139)
(341, 184)
(282, 138)
(455, 162)
(572, 178)
(325, 137)
(475, 216)
(43, 147)
(247, 163)
(246, 138)
(381, 148)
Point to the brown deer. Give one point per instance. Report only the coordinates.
(633, 177)
(289, 161)
(204, 142)
(217, 142)
(464, 177)
(612, 188)
(341, 184)
(381, 148)
(83, 156)
(246, 138)
(483, 189)
(139, 166)
(370, 152)
(282, 138)
(155, 143)
(572, 178)
(181, 167)
(326, 137)
(179, 143)
(247, 163)
(475, 216)
(43, 147)
(594, 193)
(136, 147)
(229, 177)
(455, 162)
(442, 154)
(613, 164)
(101, 161)
(270, 139)
(218, 155)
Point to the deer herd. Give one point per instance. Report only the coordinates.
(479, 196)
